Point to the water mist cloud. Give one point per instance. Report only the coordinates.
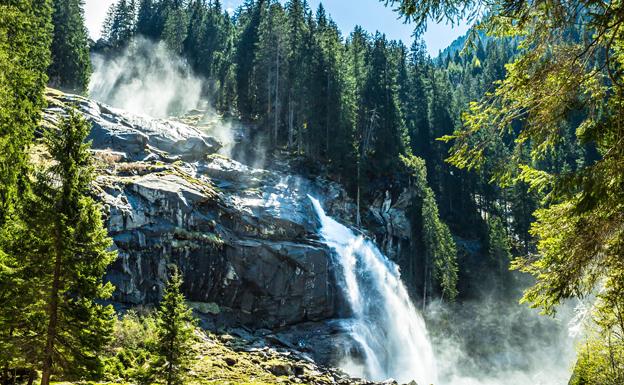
(499, 342)
(146, 78)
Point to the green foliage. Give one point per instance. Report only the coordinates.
(175, 30)
(25, 32)
(601, 355)
(561, 97)
(132, 349)
(438, 243)
(499, 248)
(69, 225)
(71, 66)
(25, 35)
(175, 325)
(120, 24)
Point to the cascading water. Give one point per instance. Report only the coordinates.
(390, 331)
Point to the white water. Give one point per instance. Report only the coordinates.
(391, 333)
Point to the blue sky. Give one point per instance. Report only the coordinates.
(370, 14)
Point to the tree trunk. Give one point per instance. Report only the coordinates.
(31, 376)
(358, 220)
(269, 104)
(53, 310)
(277, 110)
(291, 118)
(327, 120)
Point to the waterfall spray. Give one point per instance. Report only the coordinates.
(390, 332)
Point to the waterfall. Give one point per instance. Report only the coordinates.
(391, 334)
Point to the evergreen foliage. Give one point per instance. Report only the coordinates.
(71, 66)
(175, 333)
(437, 242)
(25, 36)
(69, 226)
(25, 31)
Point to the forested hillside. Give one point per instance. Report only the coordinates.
(495, 166)
(359, 105)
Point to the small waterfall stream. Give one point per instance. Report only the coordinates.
(391, 333)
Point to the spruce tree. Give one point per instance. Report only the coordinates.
(71, 66)
(384, 129)
(25, 35)
(120, 24)
(499, 248)
(77, 244)
(175, 333)
(147, 20)
(175, 28)
(415, 102)
(271, 69)
(250, 19)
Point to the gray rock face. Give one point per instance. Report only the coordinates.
(139, 137)
(388, 220)
(244, 238)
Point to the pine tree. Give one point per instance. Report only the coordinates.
(25, 32)
(271, 68)
(251, 17)
(175, 28)
(415, 102)
(25, 36)
(384, 131)
(71, 66)
(438, 246)
(353, 114)
(297, 72)
(77, 244)
(175, 333)
(120, 24)
(147, 20)
(499, 248)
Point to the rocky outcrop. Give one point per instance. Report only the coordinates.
(244, 238)
(387, 218)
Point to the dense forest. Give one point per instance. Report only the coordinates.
(512, 136)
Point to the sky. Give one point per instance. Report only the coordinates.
(372, 15)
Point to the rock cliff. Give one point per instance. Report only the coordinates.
(245, 238)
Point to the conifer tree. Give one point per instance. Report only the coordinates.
(25, 32)
(297, 65)
(438, 245)
(25, 35)
(71, 66)
(175, 333)
(147, 20)
(176, 26)
(384, 132)
(251, 17)
(120, 24)
(415, 102)
(271, 68)
(498, 243)
(77, 244)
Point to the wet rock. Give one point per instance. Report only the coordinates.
(244, 238)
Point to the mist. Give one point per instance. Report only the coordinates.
(147, 79)
(493, 341)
